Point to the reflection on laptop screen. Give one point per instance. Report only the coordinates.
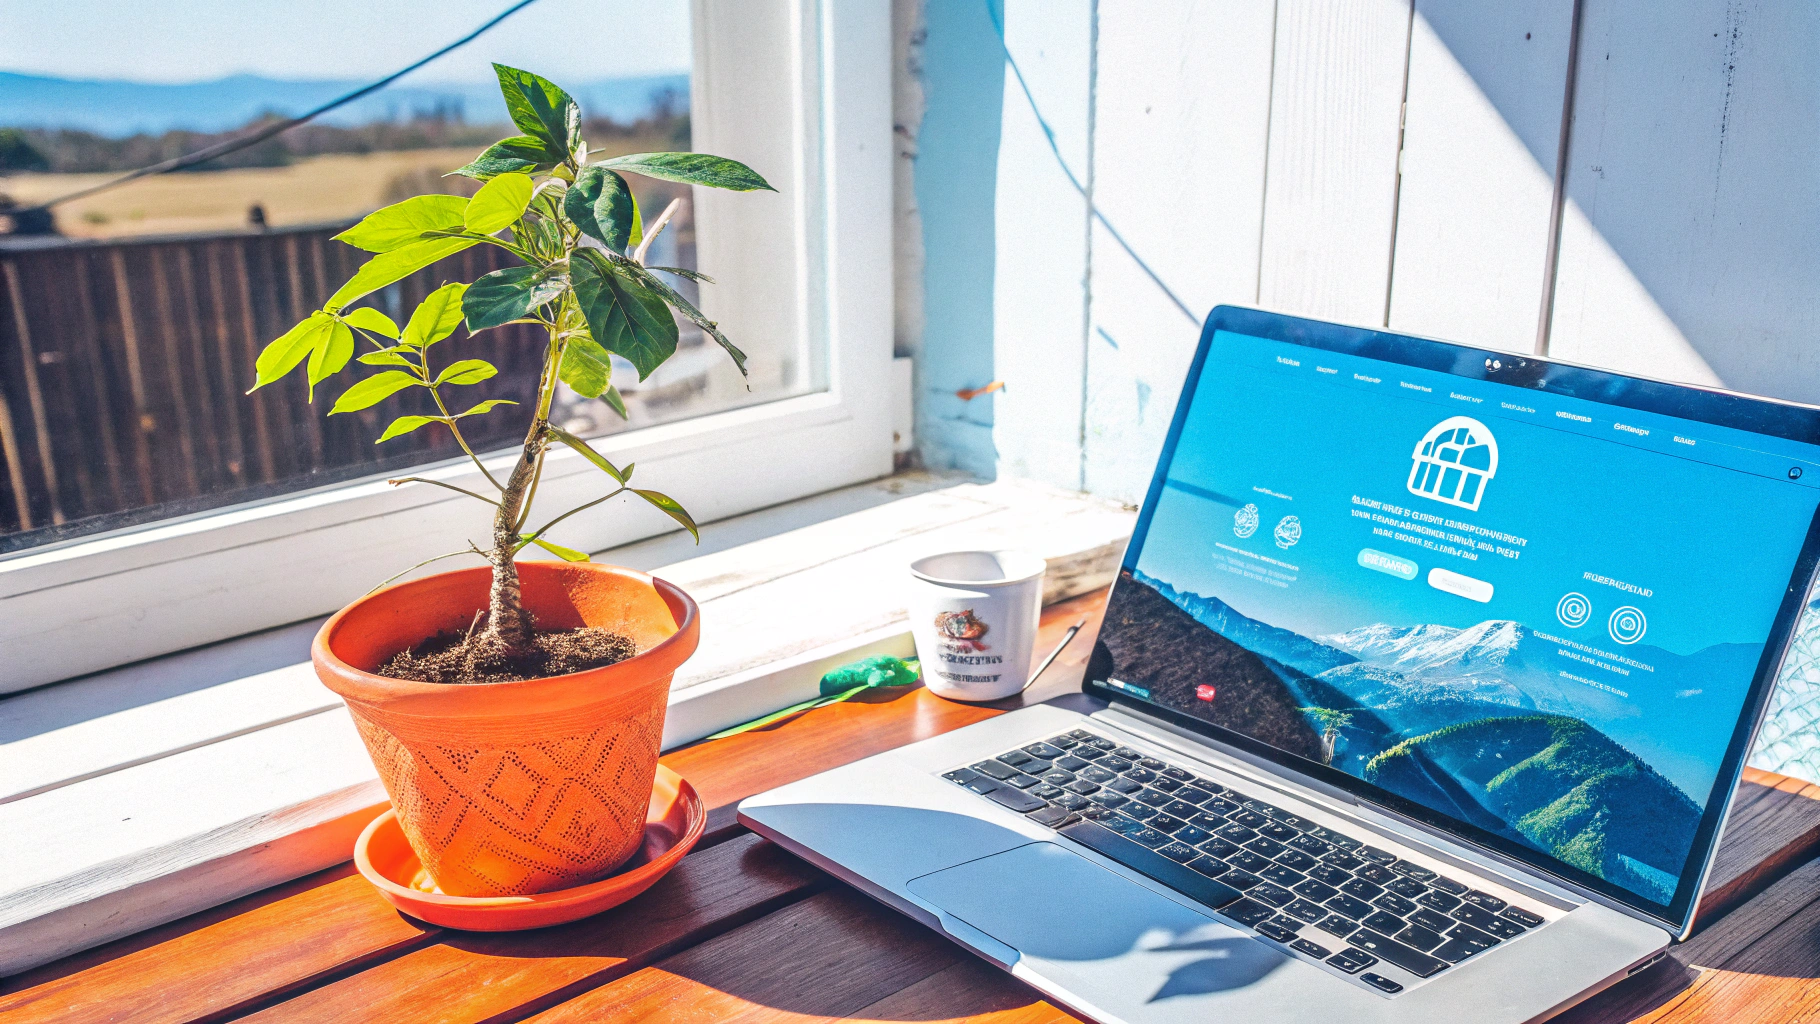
(1525, 611)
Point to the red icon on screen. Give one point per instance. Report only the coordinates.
(1204, 691)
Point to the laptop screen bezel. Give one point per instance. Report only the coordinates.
(1762, 416)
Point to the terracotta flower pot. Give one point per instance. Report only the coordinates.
(508, 789)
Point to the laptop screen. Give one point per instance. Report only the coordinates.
(1534, 618)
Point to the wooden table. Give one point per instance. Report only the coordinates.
(743, 931)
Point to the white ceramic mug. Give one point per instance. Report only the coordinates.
(974, 616)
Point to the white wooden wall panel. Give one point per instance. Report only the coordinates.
(1182, 111)
(1482, 132)
(1688, 249)
(1040, 277)
(1330, 198)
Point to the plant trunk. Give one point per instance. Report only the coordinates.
(508, 624)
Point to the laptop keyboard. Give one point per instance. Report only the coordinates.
(1315, 890)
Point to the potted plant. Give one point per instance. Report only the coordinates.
(514, 710)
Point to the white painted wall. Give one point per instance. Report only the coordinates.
(1395, 162)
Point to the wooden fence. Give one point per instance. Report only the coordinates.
(124, 367)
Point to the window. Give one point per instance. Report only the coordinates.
(176, 511)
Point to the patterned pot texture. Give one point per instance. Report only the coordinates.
(508, 789)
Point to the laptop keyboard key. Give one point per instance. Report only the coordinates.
(1239, 879)
(1448, 885)
(1310, 845)
(1375, 855)
(1082, 786)
(1335, 924)
(1395, 904)
(1046, 791)
(1305, 911)
(1249, 861)
(1418, 937)
(1181, 809)
(1390, 950)
(1142, 812)
(1209, 866)
(1015, 757)
(1381, 983)
(1352, 961)
(1217, 847)
(1148, 837)
(1236, 833)
(1348, 906)
(1503, 928)
(1341, 860)
(961, 776)
(1453, 950)
(1249, 819)
(1051, 816)
(1164, 822)
(1484, 901)
(1248, 912)
(1181, 853)
(1095, 774)
(1278, 831)
(1115, 763)
(1328, 874)
(1384, 921)
(1486, 921)
(1022, 782)
(1408, 888)
(1296, 860)
(1167, 784)
(1522, 917)
(1070, 801)
(1176, 773)
(1440, 901)
(1101, 742)
(1313, 949)
(1472, 936)
(1042, 750)
(1058, 777)
(1064, 742)
(1140, 775)
(1375, 873)
(996, 769)
(1015, 799)
(1193, 794)
(1154, 797)
(1271, 893)
(1107, 798)
(982, 785)
(1151, 763)
(1431, 920)
(1362, 889)
(1415, 871)
(1191, 835)
(1125, 785)
(1281, 875)
(1275, 928)
(1264, 847)
(1319, 892)
(1070, 763)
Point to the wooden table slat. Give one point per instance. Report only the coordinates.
(500, 975)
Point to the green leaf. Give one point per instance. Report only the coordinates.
(540, 109)
(406, 424)
(586, 367)
(282, 356)
(400, 224)
(518, 154)
(631, 268)
(691, 169)
(499, 203)
(369, 319)
(600, 204)
(328, 358)
(623, 315)
(505, 295)
(685, 272)
(618, 404)
(485, 407)
(670, 508)
(566, 554)
(587, 452)
(467, 371)
(435, 318)
(384, 357)
(393, 266)
(373, 390)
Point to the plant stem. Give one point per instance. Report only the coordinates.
(423, 361)
(439, 483)
(579, 508)
(464, 551)
(656, 229)
(508, 623)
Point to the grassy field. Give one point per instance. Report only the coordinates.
(312, 191)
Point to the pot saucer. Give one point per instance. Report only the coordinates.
(675, 821)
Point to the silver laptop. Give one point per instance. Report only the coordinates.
(1421, 695)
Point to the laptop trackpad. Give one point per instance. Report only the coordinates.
(1103, 937)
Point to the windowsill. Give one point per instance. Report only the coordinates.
(142, 794)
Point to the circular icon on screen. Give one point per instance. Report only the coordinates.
(1288, 531)
(1245, 521)
(1627, 625)
(1573, 609)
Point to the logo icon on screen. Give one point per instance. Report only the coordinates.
(1573, 609)
(1245, 521)
(1454, 461)
(1627, 625)
(1288, 531)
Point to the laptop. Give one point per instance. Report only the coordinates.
(1421, 694)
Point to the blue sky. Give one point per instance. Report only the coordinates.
(198, 40)
(1716, 556)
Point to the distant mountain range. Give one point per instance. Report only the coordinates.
(117, 108)
(1478, 723)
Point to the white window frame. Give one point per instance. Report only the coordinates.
(68, 610)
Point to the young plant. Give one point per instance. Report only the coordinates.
(581, 238)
